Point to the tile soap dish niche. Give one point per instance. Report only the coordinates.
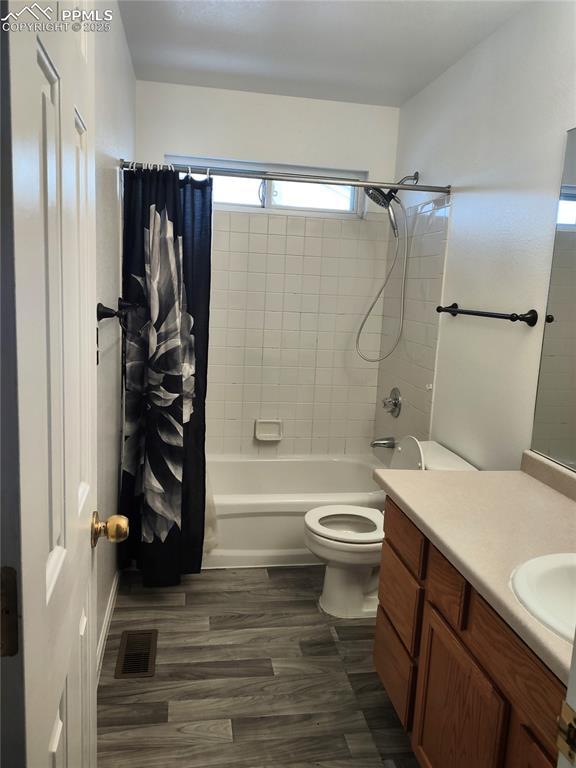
(268, 430)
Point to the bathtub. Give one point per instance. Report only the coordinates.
(261, 503)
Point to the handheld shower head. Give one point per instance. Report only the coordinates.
(384, 200)
(379, 196)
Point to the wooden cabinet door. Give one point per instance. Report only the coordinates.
(524, 751)
(460, 717)
(537, 758)
(395, 668)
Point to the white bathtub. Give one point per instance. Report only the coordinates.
(261, 503)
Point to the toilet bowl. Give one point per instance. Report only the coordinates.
(349, 539)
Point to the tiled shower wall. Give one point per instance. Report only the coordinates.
(411, 366)
(555, 415)
(288, 293)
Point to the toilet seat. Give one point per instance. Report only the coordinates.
(346, 523)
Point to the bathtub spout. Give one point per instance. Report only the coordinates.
(383, 442)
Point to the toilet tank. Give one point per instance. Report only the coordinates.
(438, 457)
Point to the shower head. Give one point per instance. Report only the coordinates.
(384, 200)
(379, 196)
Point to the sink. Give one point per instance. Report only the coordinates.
(546, 587)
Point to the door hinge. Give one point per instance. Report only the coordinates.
(566, 739)
(8, 612)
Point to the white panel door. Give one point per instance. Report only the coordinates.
(52, 95)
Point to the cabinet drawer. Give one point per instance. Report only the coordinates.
(406, 539)
(395, 669)
(446, 589)
(522, 677)
(401, 596)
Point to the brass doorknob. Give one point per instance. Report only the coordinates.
(115, 529)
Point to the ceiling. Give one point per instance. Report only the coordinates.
(371, 52)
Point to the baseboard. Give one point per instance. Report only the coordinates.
(106, 623)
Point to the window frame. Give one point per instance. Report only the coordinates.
(357, 211)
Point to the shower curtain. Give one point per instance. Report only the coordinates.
(166, 279)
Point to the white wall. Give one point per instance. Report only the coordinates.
(187, 120)
(494, 126)
(115, 94)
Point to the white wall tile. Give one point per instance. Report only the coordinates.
(238, 241)
(239, 222)
(259, 223)
(277, 225)
(257, 243)
(296, 225)
(288, 295)
(312, 246)
(277, 244)
(221, 240)
(295, 245)
(237, 261)
(314, 227)
(221, 221)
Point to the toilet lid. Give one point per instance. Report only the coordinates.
(407, 454)
(410, 453)
(339, 522)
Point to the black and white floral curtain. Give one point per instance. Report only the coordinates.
(166, 276)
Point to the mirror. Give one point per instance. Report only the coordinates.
(554, 431)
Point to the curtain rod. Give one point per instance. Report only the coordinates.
(264, 175)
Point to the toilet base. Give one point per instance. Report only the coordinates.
(350, 593)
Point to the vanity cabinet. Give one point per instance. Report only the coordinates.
(468, 688)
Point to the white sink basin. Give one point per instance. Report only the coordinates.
(546, 586)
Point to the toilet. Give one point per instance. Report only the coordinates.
(349, 539)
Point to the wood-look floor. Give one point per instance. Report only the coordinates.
(251, 674)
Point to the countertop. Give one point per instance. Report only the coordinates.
(488, 523)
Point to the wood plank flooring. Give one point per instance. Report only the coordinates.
(250, 673)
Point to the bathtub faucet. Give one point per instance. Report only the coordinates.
(383, 442)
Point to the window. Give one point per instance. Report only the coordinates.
(567, 207)
(236, 191)
(246, 191)
(325, 197)
(567, 213)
